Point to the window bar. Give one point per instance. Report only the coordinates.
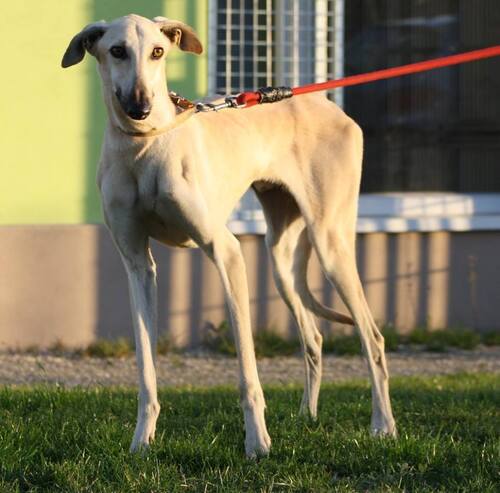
(295, 45)
(321, 41)
(212, 46)
(269, 43)
(228, 46)
(254, 45)
(241, 47)
(338, 48)
(280, 42)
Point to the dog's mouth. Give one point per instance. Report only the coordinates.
(136, 108)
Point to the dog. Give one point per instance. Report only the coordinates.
(176, 176)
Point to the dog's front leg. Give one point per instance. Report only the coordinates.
(133, 245)
(230, 263)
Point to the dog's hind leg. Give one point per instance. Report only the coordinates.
(333, 235)
(336, 254)
(289, 250)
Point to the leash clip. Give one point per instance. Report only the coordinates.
(232, 101)
(229, 102)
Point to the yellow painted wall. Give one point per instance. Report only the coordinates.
(52, 119)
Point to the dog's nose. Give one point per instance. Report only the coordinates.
(139, 113)
(139, 106)
(136, 105)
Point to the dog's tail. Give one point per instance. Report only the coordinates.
(318, 308)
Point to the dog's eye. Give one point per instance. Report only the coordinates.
(118, 52)
(157, 52)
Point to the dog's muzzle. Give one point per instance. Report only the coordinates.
(136, 105)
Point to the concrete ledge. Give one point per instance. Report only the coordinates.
(399, 213)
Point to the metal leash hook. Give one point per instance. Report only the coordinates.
(229, 102)
(246, 99)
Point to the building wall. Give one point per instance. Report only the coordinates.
(67, 284)
(54, 118)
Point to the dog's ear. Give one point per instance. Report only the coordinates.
(84, 40)
(180, 34)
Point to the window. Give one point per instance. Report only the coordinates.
(274, 42)
(433, 131)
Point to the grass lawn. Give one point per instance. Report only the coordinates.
(52, 439)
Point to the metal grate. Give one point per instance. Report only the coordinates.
(274, 42)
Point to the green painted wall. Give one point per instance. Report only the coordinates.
(53, 118)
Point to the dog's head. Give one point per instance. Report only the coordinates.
(130, 51)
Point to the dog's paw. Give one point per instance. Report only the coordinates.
(384, 430)
(257, 440)
(145, 428)
(307, 410)
(141, 443)
(139, 447)
(258, 445)
(143, 437)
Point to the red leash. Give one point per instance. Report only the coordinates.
(271, 95)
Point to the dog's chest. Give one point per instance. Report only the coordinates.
(147, 192)
(159, 212)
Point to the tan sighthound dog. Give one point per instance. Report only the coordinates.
(177, 179)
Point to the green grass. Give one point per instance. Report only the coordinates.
(440, 340)
(53, 439)
(120, 347)
(104, 348)
(268, 343)
(491, 338)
